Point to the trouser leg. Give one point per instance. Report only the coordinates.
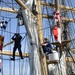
(20, 52)
(44, 49)
(14, 49)
(49, 50)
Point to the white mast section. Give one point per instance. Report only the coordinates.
(31, 27)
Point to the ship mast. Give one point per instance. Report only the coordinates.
(44, 63)
(40, 33)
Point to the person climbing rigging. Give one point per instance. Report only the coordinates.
(17, 39)
(47, 48)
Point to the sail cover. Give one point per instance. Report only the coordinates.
(31, 28)
(59, 68)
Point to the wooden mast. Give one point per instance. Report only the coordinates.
(56, 5)
(40, 33)
(39, 19)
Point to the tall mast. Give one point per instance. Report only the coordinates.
(56, 4)
(40, 33)
(39, 19)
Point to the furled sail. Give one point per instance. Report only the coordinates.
(59, 68)
(31, 27)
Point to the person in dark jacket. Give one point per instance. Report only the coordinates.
(17, 44)
(47, 48)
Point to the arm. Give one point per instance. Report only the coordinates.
(13, 37)
(20, 37)
(44, 44)
(50, 45)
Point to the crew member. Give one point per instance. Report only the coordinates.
(17, 39)
(47, 48)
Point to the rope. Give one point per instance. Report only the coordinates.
(19, 67)
(12, 5)
(1, 54)
(17, 29)
(22, 67)
(10, 32)
(72, 29)
(10, 48)
(14, 69)
(24, 37)
(7, 5)
(49, 31)
(74, 23)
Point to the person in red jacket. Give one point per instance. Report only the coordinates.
(55, 32)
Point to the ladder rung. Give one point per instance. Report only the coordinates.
(8, 53)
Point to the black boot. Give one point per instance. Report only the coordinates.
(21, 57)
(12, 59)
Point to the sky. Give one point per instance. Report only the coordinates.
(19, 66)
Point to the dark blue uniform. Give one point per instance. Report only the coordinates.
(47, 48)
(17, 38)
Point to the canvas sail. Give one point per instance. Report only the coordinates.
(31, 27)
(59, 68)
